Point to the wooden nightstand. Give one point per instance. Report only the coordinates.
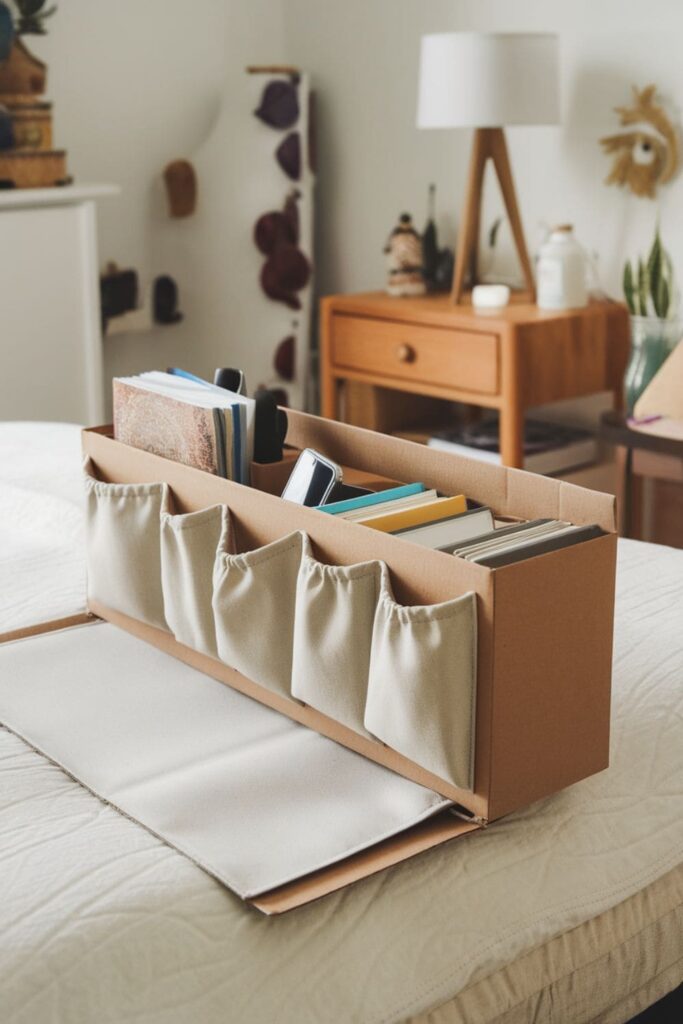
(518, 358)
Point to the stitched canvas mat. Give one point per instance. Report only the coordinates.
(253, 798)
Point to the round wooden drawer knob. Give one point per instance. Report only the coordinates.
(405, 353)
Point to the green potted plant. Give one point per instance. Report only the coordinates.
(650, 293)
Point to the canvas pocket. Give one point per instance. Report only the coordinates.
(123, 546)
(190, 545)
(253, 606)
(422, 684)
(335, 609)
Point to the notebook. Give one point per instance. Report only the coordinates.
(542, 546)
(437, 508)
(192, 422)
(351, 505)
(445, 533)
(523, 540)
(362, 515)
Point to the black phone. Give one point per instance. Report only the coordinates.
(312, 479)
(231, 379)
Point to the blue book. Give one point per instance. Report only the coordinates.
(175, 371)
(376, 498)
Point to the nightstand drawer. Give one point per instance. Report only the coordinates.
(467, 360)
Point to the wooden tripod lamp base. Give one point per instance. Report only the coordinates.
(489, 144)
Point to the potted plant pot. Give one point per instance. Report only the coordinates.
(652, 342)
(650, 293)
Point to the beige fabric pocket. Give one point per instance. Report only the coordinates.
(422, 685)
(123, 546)
(335, 609)
(253, 606)
(190, 545)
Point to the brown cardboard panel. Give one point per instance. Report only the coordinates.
(552, 672)
(537, 497)
(507, 491)
(294, 709)
(272, 476)
(424, 836)
(51, 626)
(401, 459)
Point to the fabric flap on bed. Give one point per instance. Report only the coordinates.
(253, 798)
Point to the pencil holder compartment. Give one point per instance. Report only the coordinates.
(190, 545)
(422, 682)
(253, 607)
(335, 609)
(123, 546)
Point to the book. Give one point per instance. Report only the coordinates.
(523, 540)
(243, 413)
(542, 546)
(507, 537)
(411, 501)
(439, 508)
(197, 424)
(336, 508)
(443, 534)
(548, 447)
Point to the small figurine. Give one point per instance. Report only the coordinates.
(404, 259)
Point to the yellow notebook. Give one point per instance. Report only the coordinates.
(441, 508)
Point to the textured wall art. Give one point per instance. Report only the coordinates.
(283, 233)
(646, 153)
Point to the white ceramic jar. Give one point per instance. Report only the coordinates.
(561, 271)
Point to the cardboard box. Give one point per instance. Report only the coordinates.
(545, 625)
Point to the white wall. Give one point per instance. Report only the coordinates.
(134, 86)
(137, 84)
(363, 57)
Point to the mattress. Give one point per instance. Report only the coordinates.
(42, 570)
(100, 920)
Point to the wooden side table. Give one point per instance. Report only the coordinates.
(515, 359)
(643, 456)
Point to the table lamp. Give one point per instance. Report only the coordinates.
(484, 81)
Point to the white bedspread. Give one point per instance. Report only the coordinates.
(42, 571)
(100, 921)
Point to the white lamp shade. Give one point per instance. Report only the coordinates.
(486, 80)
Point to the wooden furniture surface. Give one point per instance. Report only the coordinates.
(512, 360)
(647, 457)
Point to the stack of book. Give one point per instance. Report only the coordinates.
(418, 514)
(548, 447)
(188, 420)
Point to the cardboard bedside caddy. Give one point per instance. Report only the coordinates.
(544, 625)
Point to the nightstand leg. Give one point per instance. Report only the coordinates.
(512, 435)
(328, 396)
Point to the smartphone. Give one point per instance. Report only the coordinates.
(312, 479)
(231, 379)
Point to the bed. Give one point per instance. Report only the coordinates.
(569, 911)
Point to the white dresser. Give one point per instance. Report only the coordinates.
(50, 336)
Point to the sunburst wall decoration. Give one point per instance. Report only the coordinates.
(646, 154)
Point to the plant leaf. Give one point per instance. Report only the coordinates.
(654, 272)
(29, 7)
(629, 288)
(642, 287)
(663, 299)
(493, 231)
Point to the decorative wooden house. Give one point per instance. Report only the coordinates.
(27, 160)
